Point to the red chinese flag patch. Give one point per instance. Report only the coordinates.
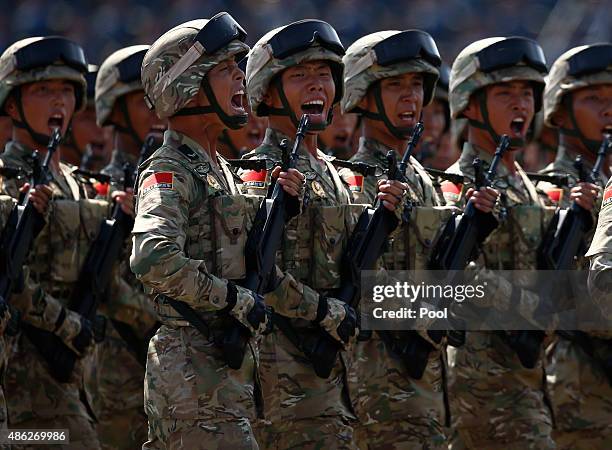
(254, 178)
(555, 194)
(607, 198)
(450, 191)
(101, 188)
(355, 183)
(159, 180)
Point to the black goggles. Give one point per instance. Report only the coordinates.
(299, 36)
(219, 31)
(596, 58)
(511, 52)
(49, 51)
(129, 68)
(444, 79)
(407, 45)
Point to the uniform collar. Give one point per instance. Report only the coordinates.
(274, 137)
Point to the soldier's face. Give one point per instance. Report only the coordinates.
(85, 130)
(309, 88)
(338, 136)
(251, 135)
(593, 110)
(402, 97)
(434, 119)
(142, 118)
(46, 105)
(511, 108)
(227, 82)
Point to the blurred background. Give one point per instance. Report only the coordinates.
(103, 26)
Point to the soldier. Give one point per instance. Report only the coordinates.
(578, 101)
(42, 84)
(294, 70)
(86, 141)
(389, 83)
(120, 359)
(338, 138)
(189, 241)
(495, 402)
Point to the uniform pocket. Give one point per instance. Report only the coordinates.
(328, 243)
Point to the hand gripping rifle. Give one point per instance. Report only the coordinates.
(366, 244)
(23, 226)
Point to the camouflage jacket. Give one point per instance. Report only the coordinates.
(600, 254)
(54, 266)
(311, 253)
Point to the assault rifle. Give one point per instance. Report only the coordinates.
(366, 244)
(23, 226)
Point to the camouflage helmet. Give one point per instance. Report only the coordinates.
(495, 60)
(118, 75)
(288, 46)
(578, 67)
(175, 66)
(39, 59)
(363, 66)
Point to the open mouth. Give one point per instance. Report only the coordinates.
(406, 118)
(341, 139)
(607, 130)
(517, 126)
(56, 121)
(238, 100)
(313, 107)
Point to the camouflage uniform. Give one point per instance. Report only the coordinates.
(35, 399)
(600, 255)
(301, 409)
(120, 359)
(495, 402)
(188, 240)
(579, 389)
(394, 410)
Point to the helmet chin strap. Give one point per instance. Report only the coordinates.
(287, 111)
(39, 138)
(232, 122)
(486, 124)
(129, 127)
(590, 144)
(402, 133)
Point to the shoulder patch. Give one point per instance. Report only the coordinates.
(254, 178)
(159, 180)
(555, 194)
(101, 188)
(450, 191)
(355, 183)
(607, 197)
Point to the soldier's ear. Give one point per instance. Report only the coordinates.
(10, 107)
(267, 99)
(472, 111)
(561, 118)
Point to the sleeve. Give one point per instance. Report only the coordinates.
(166, 192)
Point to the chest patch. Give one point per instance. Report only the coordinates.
(355, 183)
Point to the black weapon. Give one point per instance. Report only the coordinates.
(557, 180)
(357, 166)
(23, 226)
(250, 164)
(366, 244)
(464, 232)
(563, 241)
(564, 238)
(14, 172)
(452, 177)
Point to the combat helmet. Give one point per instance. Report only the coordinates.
(387, 54)
(177, 63)
(578, 67)
(491, 61)
(287, 46)
(119, 75)
(40, 59)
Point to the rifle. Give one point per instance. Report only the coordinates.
(563, 241)
(366, 244)
(23, 226)
(463, 233)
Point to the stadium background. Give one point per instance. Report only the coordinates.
(103, 26)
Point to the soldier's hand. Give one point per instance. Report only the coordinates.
(585, 194)
(75, 331)
(248, 308)
(126, 200)
(39, 196)
(484, 199)
(391, 192)
(292, 181)
(338, 319)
